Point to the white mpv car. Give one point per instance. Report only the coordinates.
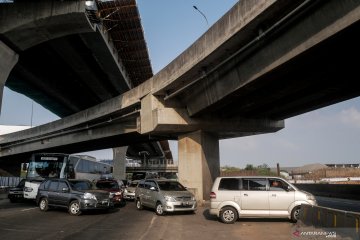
(249, 197)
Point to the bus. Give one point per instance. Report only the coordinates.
(42, 166)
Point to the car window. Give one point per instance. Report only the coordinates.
(133, 184)
(230, 184)
(254, 184)
(171, 186)
(277, 185)
(147, 185)
(53, 185)
(62, 185)
(141, 184)
(21, 183)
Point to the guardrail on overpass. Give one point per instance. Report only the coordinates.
(316, 221)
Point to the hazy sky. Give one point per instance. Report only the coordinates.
(328, 135)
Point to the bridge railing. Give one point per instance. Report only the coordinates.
(328, 223)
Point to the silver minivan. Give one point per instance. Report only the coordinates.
(164, 196)
(256, 196)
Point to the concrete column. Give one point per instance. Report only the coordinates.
(119, 162)
(8, 59)
(199, 163)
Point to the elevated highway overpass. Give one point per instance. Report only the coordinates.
(262, 62)
(69, 56)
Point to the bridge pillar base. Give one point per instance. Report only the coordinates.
(199, 163)
(8, 60)
(119, 162)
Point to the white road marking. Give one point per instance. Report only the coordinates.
(148, 229)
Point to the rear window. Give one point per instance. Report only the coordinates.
(171, 186)
(81, 185)
(230, 184)
(107, 185)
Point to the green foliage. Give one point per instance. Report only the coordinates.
(249, 167)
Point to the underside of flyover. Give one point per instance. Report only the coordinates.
(324, 74)
(77, 70)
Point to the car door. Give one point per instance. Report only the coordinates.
(281, 196)
(52, 192)
(146, 194)
(153, 193)
(254, 197)
(62, 196)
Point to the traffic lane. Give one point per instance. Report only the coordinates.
(339, 203)
(129, 223)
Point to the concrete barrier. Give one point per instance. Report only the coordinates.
(348, 191)
(316, 219)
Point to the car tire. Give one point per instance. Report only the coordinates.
(228, 215)
(139, 205)
(44, 204)
(74, 208)
(159, 209)
(295, 214)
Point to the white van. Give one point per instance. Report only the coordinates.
(256, 196)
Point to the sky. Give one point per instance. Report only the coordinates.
(327, 135)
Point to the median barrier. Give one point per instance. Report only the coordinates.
(330, 222)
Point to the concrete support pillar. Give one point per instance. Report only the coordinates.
(8, 59)
(119, 162)
(199, 163)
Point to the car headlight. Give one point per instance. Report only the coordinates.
(193, 198)
(28, 189)
(118, 193)
(89, 196)
(169, 199)
(310, 197)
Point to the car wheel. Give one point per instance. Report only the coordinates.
(43, 205)
(295, 214)
(139, 205)
(159, 209)
(74, 208)
(228, 215)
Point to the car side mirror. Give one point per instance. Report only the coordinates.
(65, 189)
(153, 189)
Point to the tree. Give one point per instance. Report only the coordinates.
(249, 167)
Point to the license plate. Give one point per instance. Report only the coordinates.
(185, 203)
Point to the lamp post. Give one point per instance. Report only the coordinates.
(144, 154)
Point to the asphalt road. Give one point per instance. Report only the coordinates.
(25, 221)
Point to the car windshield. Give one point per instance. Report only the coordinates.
(171, 186)
(107, 185)
(81, 185)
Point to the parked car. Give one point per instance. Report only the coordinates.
(75, 195)
(129, 191)
(17, 193)
(114, 187)
(236, 197)
(164, 196)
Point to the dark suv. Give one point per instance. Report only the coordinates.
(75, 195)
